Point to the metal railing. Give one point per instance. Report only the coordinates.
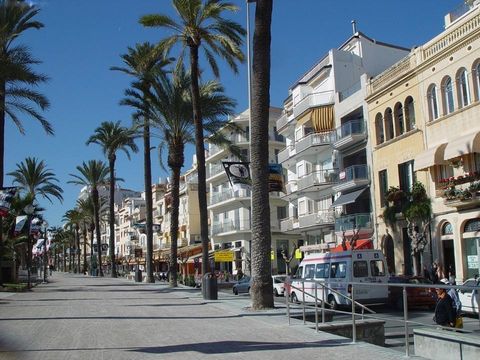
(214, 169)
(312, 100)
(353, 127)
(354, 304)
(319, 177)
(227, 195)
(230, 225)
(314, 139)
(354, 221)
(342, 95)
(352, 173)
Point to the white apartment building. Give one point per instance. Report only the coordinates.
(327, 157)
(230, 210)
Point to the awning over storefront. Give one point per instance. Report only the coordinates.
(360, 244)
(430, 157)
(348, 198)
(462, 145)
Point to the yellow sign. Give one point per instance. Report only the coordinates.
(272, 255)
(298, 254)
(223, 256)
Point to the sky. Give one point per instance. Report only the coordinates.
(82, 39)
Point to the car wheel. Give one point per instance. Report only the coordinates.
(293, 298)
(235, 291)
(332, 302)
(275, 292)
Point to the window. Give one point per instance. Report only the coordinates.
(432, 102)
(463, 90)
(406, 175)
(388, 125)
(447, 229)
(383, 184)
(472, 225)
(377, 268)
(299, 273)
(321, 271)
(360, 269)
(410, 114)
(338, 270)
(447, 88)
(281, 212)
(379, 129)
(398, 114)
(310, 271)
(476, 79)
(445, 171)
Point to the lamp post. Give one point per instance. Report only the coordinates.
(29, 210)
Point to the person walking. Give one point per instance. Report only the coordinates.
(457, 304)
(444, 310)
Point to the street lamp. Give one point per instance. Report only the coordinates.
(29, 210)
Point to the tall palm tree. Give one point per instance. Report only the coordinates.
(262, 291)
(85, 207)
(17, 79)
(144, 63)
(72, 218)
(93, 174)
(172, 114)
(113, 137)
(201, 25)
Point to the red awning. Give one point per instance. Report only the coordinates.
(361, 245)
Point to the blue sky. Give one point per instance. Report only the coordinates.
(82, 39)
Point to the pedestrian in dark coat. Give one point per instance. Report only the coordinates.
(444, 310)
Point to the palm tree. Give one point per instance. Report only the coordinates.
(72, 218)
(144, 64)
(16, 76)
(113, 137)
(85, 207)
(172, 114)
(93, 174)
(201, 26)
(262, 288)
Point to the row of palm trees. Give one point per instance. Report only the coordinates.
(171, 99)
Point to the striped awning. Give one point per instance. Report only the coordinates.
(430, 157)
(323, 119)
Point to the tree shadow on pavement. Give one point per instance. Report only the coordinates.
(226, 347)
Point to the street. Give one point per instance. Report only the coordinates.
(81, 317)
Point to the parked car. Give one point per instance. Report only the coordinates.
(470, 298)
(242, 285)
(415, 296)
(278, 284)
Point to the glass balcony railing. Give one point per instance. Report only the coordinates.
(314, 139)
(230, 225)
(354, 221)
(353, 173)
(313, 100)
(227, 195)
(214, 169)
(319, 177)
(353, 127)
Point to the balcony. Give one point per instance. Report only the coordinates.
(230, 226)
(317, 180)
(289, 224)
(349, 134)
(283, 121)
(314, 142)
(286, 153)
(291, 187)
(228, 198)
(215, 170)
(313, 100)
(319, 218)
(352, 177)
(348, 223)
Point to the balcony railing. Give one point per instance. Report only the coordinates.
(289, 224)
(227, 195)
(286, 153)
(230, 225)
(350, 91)
(313, 100)
(214, 169)
(353, 173)
(355, 221)
(322, 217)
(314, 139)
(282, 121)
(320, 177)
(214, 149)
(291, 186)
(353, 127)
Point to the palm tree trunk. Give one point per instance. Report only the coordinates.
(84, 230)
(92, 229)
(70, 255)
(96, 215)
(111, 242)
(200, 151)
(148, 200)
(64, 258)
(262, 289)
(77, 230)
(2, 154)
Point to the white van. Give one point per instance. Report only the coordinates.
(335, 270)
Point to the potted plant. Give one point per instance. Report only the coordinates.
(474, 188)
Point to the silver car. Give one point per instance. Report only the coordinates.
(242, 286)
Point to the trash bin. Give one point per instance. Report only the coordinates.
(138, 275)
(209, 287)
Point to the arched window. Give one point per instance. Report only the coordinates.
(398, 115)
(379, 129)
(476, 78)
(472, 225)
(409, 114)
(432, 102)
(462, 88)
(447, 229)
(388, 124)
(447, 96)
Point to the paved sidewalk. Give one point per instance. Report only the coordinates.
(79, 317)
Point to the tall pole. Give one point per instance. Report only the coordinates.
(249, 82)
